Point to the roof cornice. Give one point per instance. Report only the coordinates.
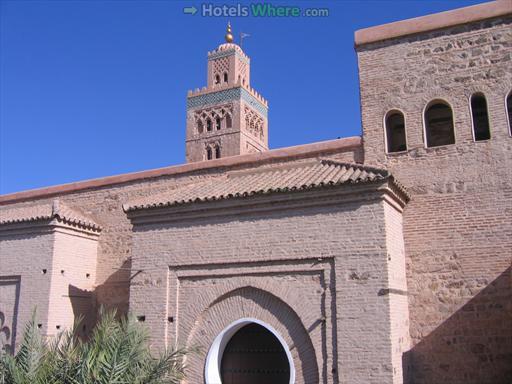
(330, 195)
(318, 182)
(243, 184)
(54, 213)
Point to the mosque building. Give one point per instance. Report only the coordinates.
(383, 258)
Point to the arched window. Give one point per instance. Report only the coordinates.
(439, 124)
(509, 112)
(217, 123)
(480, 117)
(208, 125)
(217, 152)
(229, 122)
(395, 132)
(225, 77)
(217, 79)
(200, 126)
(208, 153)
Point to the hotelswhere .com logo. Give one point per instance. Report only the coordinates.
(254, 10)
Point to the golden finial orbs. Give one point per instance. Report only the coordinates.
(229, 35)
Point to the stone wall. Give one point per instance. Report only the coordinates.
(457, 227)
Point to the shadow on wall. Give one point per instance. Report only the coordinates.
(114, 293)
(474, 345)
(9, 289)
(5, 335)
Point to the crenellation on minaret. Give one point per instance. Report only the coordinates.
(227, 117)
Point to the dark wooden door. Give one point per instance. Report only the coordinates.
(254, 356)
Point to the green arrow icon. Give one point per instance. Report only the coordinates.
(190, 10)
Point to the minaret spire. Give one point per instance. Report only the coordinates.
(229, 35)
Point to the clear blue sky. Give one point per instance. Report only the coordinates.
(96, 88)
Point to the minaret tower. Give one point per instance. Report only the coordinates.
(227, 117)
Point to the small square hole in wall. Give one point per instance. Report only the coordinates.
(57, 326)
(39, 325)
(61, 271)
(141, 318)
(44, 271)
(87, 275)
(170, 319)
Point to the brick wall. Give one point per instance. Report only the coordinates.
(73, 272)
(43, 268)
(318, 275)
(24, 257)
(227, 138)
(457, 227)
(399, 308)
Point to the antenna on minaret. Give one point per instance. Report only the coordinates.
(242, 36)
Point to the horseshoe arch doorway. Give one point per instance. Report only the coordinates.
(249, 352)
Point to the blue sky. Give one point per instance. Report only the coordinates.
(96, 88)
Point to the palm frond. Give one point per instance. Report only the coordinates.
(117, 352)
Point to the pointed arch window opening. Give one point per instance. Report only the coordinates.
(480, 117)
(439, 127)
(208, 125)
(396, 140)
